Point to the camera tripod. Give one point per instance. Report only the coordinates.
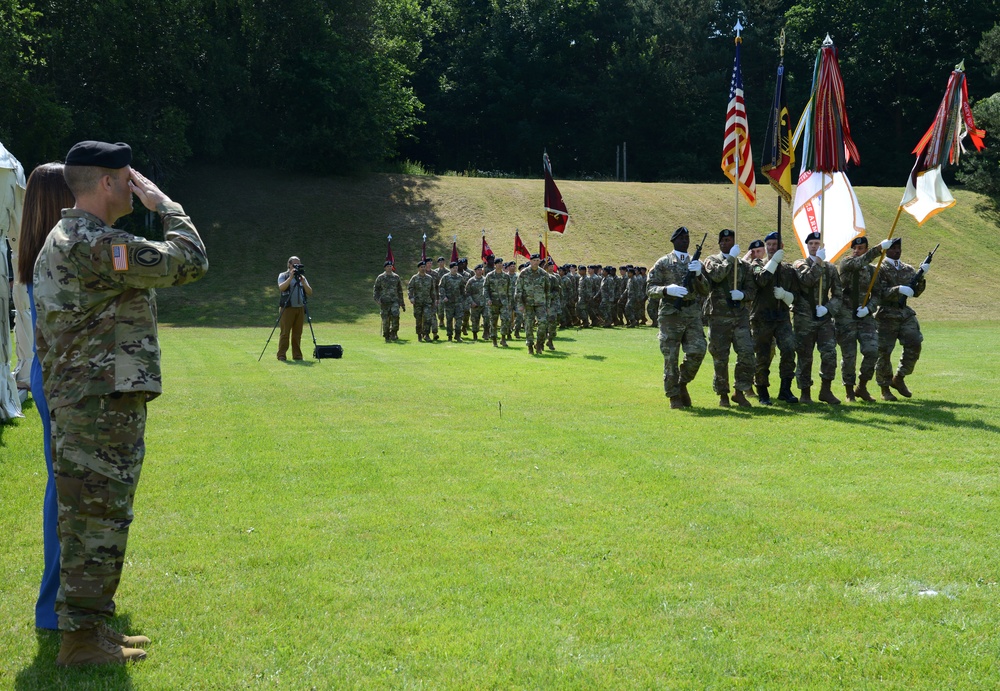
(296, 285)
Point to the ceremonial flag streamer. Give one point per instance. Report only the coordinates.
(487, 252)
(454, 249)
(388, 251)
(926, 194)
(543, 253)
(825, 202)
(737, 133)
(779, 154)
(556, 213)
(519, 247)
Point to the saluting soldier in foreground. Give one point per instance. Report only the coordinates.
(677, 281)
(896, 320)
(100, 358)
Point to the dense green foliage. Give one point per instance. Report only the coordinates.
(340, 85)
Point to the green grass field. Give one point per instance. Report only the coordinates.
(456, 516)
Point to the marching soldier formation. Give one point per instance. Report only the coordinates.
(756, 305)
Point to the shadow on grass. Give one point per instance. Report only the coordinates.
(598, 358)
(43, 673)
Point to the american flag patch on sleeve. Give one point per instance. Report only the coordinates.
(119, 257)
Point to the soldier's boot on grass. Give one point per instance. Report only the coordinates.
(676, 402)
(458, 337)
(531, 349)
(887, 394)
(848, 393)
(90, 647)
(805, 396)
(899, 385)
(685, 396)
(826, 394)
(503, 341)
(435, 336)
(475, 335)
(539, 347)
(763, 396)
(495, 341)
(723, 400)
(740, 399)
(549, 344)
(785, 392)
(861, 391)
(121, 639)
(517, 334)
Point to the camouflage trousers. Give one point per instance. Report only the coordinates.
(552, 313)
(569, 313)
(653, 309)
(725, 333)
(608, 312)
(583, 312)
(767, 334)
(476, 317)
(679, 331)
(500, 320)
(97, 457)
(535, 316)
(423, 313)
(852, 335)
(453, 316)
(389, 311)
(907, 332)
(518, 314)
(814, 334)
(633, 310)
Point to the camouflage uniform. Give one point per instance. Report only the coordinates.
(569, 290)
(680, 327)
(633, 304)
(585, 291)
(609, 299)
(729, 322)
(641, 310)
(500, 295)
(531, 292)
(466, 275)
(476, 294)
(388, 293)
(422, 292)
(554, 306)
(853, 333)
(771, 325)
(451, 293)
(437, 275)
(100, 359)
(811, 331)
(896, 320)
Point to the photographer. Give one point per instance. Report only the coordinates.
(294, 288)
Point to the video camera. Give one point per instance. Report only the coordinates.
(298, 270)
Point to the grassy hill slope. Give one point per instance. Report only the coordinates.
(253, 220)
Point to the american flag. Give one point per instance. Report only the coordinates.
(736, 125)
(119, 257)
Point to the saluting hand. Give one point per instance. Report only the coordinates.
(148, 193)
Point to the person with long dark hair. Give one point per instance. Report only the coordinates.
(44, 198)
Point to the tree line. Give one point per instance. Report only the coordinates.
(336, 86)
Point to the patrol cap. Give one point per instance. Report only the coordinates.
(535, 256)
(771, 236)
(677, 233)
(860, 240)
(387, 263)
(726, 233)
(813, 236)
(756, 244)
(453, 264)
(91, 153)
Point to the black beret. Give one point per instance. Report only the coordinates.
(478, 267)
(440, 259)
(453, 264)
(771, 236)
(897, 242)
(549, 262)
(387, 263)
(756, 243)
(421, 263)
(535, 256)
(677, 233)
(813, 236)
(860, 240)
(91, 153)
(497, 260)
(463, 260)
(726, 233)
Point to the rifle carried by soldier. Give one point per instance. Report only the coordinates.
(689, 278)
(920, 273)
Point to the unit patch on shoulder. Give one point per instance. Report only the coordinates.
(146, 256)
(119, 257)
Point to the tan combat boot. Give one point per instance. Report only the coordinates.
(89, 647)
(848, 393)
(805, 396)
(676, 402)
(740, 399)
(121, 639)
(899, 385)
(826, 394)
(887, 394)
(861, 391)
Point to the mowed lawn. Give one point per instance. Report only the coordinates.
(456, 516)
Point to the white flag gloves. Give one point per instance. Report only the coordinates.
(821, 311)
(906, 290)
(779, 293)
(772, 265)
(886, 244)
(787, 298)
(736, 295)
(735, 251)
(821, 253)
(778, 255)
(925, 267)
(862, 312)
(676, 291)
(695, 266)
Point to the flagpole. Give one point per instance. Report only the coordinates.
(822, 226)
(878, 266)
(777, 125)
(736, 176)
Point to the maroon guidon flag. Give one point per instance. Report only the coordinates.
(487, 252)
(556, 214)
(454, 250)
(388, 251)
(519, 247)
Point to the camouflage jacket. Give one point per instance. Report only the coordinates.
(475, 289)
(570, 288)
(855, 277)
(421, 290)
(532, 288)
(498, 287)
(766, 307)
(636, 288)
(609, 289)
(670, 269)
(555, 289)
(451, 287)
(893, 304)
(388, 289)
(587, 287)
(719, 272)
(808, 295)
(94, 292)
